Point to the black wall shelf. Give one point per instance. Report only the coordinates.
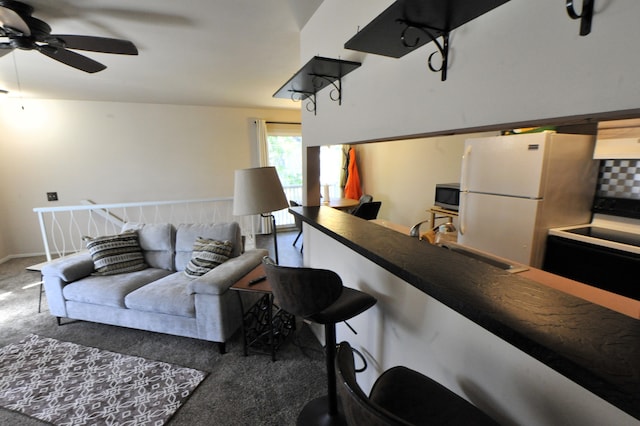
(409, 24)
(317, 74)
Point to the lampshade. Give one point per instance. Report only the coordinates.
(257, 190)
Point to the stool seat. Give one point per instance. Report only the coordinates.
(401, 396)
(349, 304)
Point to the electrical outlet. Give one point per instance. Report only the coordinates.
(52, 196)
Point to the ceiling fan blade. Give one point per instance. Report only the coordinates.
(12, 22)
(71, 58)
(97, 44)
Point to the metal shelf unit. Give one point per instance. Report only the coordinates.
(317, 74)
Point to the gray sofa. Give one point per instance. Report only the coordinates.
(160, 298)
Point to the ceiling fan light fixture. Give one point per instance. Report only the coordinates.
(29, 33)
(11, 20)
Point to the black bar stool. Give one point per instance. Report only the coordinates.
(318, 296)
(401, 397)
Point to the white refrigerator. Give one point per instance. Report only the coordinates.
(514, 188)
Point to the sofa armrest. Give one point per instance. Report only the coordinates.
(219, 279)
(70, 268)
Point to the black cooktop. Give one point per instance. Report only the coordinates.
(608, 234)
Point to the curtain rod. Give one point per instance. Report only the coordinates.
(282, 122)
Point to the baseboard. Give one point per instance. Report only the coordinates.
(18, 256)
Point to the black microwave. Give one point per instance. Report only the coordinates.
(448, 195)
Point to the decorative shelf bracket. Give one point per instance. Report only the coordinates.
(434, 35)
(299, 96)
(586, 16)
(336, 83)
(317, 74)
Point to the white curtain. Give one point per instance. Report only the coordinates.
(263, 147)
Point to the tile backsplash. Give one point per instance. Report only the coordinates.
(619, 179)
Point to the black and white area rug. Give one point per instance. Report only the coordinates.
(68, 384)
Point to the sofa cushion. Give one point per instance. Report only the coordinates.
(206, 255)
(110, 290)
(116, 254)
(186, 235)
(157, 243)
(167, 295)
(70, 268)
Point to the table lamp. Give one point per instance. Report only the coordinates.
(259, 191)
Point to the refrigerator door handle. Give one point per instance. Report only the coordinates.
(461, 214)
(465, 166)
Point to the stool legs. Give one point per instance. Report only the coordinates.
(330, 343)
(326, 409)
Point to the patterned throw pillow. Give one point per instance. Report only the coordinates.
(116, 254)
(207, 254)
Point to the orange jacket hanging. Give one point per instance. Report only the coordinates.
(352, 187)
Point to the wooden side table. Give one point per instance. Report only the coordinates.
(440, 213)
(264, 325)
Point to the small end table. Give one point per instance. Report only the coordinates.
(38, 268)
(264, 325)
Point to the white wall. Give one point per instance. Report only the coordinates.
(522, 61)
(115, 152)
(403, 174)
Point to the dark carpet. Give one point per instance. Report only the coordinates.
(238, 390)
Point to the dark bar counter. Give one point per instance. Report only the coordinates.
(595, 347)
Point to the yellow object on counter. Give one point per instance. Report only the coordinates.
(429, 236)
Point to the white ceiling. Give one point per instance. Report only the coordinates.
(192, 52)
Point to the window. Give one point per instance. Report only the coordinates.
(331, 163)
(284, 146)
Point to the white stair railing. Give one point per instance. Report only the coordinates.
(106, 215)
(64, 227)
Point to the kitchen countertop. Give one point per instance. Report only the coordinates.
(613, 301)
(592, 345)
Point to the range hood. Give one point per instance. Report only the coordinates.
(618, 140)
(614, 149)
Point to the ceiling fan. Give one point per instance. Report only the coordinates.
(28, 33)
